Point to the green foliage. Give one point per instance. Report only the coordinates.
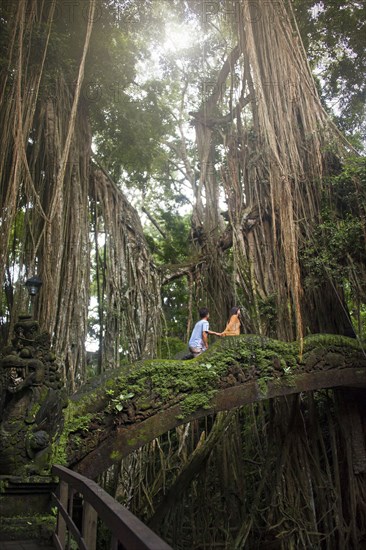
(174, 249)
(127, 134)
(267, 308)
(334, 37)
(334, 240)
(170, 346)
(127, 116)
(339, 237)
(347, 191)
(118, 402)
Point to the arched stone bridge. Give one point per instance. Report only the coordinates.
(120, 412)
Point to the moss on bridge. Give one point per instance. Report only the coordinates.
(127, 396)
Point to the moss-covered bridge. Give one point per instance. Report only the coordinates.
(121, 411)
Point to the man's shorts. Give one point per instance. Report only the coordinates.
(196, 351)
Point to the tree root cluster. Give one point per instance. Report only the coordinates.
(281, 474)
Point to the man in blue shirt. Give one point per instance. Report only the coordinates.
(198, 341)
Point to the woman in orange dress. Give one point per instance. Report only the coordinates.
(233, 326)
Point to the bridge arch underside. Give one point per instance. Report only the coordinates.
(123, 440)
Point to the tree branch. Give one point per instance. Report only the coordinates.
(154, 222)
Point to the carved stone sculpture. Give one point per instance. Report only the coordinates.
(32, 397)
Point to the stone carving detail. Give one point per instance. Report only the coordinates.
(32, 397)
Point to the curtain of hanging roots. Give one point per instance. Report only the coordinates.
(281, 474)
(44, 174)
(287, 135)
(132, 287)
(213, 284)
(275, 150)
(45, 193)
(20, 83)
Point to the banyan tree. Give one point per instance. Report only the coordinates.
(282, 473)
(263, 137)
(277, 147)
(59, 209)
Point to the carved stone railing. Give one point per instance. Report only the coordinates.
(127, 530)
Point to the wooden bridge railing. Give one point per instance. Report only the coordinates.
(128, 532)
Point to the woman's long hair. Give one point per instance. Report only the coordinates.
(234, 310)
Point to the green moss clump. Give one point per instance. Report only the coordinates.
(263, 387)
(73, 423)
(329, 341)
(115, 455)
